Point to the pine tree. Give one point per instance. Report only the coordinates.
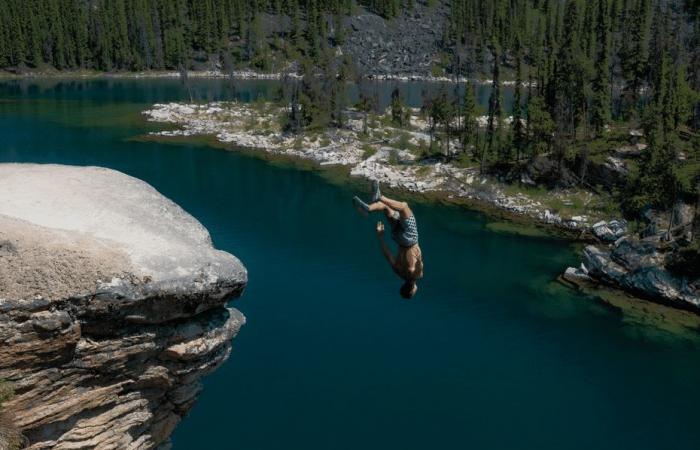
(34, 38)
(295, 33)
(517, 125)
(4, 44)
(469, 125)
(600, 111)
(397, 113)
(493, 127)
(540, 126)
(16, 36)
(635, 55)
(684, 97)
(120, 35)
(655, 184)
(570, 76)
(313, 28)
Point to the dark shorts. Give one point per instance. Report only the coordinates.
(404, 231)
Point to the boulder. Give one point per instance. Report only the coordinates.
(547, 172)
(682, 219)
(609, 231)
(112, 307)
(634, 254)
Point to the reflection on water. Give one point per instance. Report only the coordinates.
(220, 89)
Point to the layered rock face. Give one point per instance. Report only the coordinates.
(112, 307)
(636, 266)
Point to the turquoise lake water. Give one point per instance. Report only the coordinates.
(491, 354)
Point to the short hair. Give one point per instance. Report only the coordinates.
(406, 290)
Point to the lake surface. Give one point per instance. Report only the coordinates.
(491, 354)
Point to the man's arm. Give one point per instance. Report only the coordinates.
(385, 248)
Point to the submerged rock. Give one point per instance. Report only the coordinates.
(112, 307)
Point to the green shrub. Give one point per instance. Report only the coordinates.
(368, 151)
(465, 160)
(393, 157)
(404, 141)
(436, 70)
(6, 391)
(423, 171)
(10, 437)
(685, 261)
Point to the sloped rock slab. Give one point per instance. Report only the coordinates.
(112, 307)
(637, 267)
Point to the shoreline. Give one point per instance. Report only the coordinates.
(236, 75)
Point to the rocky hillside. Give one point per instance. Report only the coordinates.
(112, 307)
(408, 45)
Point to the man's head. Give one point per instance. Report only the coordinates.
(408, 289)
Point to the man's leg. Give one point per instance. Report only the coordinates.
(379, 206)
(365, 209)
(401, 207)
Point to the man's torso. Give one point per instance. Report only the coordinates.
(405, 258)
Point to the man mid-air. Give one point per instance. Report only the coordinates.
(408, 263)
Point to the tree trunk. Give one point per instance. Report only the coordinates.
(696, 219)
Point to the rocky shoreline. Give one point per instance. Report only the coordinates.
(113, 306)
(381, 154)
(235, 75)
(639, 265)
(88, 74)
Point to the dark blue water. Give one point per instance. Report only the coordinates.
(491, 354)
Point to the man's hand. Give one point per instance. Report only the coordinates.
(380, 229)
(385, 249)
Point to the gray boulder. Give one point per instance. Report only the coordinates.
(112, 307)
(637, 267)
(609, 231)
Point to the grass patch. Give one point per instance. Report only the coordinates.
(10, 436)
(423, 171)
(6, 392)
(368, 151)
(402, 141)
(251, 123)
(465, 161)
(298, 143)
(574, 202)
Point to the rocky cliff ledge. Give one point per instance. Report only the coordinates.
(112, 307)
(641, 265)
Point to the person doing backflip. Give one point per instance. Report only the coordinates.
(408, 262)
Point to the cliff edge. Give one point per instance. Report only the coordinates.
(112, 307)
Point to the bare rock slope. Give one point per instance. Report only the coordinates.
(112, 307)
